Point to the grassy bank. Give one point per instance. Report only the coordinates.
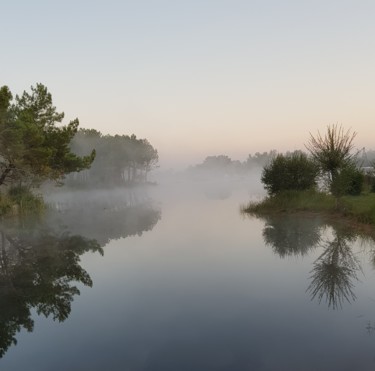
(360, 209)
(20, 200)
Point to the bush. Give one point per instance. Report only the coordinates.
(5, 204)
(349, 181)
(370, 180)
(290, 172)
(25, 199)
(355, 181)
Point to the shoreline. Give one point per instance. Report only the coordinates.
(355, 211)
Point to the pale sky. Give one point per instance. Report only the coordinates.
(199, 78)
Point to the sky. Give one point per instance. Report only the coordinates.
(199, 78)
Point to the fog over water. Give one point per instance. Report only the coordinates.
(143, 261)
(185, 282)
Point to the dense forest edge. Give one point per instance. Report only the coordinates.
(37, 149)
(331, 178)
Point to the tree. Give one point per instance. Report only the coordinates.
(259, 159)
(332, 152)
(289, 172)
(5, 99)
(148, 157)
(9, 136)
(349, 181)
(120, 159)
(32, 147)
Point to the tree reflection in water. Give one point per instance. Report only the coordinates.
(105, 215)
(38, 269)
(335, 270)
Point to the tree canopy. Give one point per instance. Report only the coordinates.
(294, 171)
(333, 150)
(120, 159)
(334, 154)
(34, 146)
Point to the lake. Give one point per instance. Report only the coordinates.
(173, 277)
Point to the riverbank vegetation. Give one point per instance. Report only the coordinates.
(327, 181)
(35, 148)
(357, 209)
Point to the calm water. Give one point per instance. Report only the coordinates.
(185, 282)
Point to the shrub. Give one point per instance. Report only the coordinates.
(371, 183)
(349, 181)
(5, 204)
(290, 172)
(25, 199)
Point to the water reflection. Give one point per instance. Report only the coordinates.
(291, 235)
(40, 259)
(104, 216)
(39, 270)
(370, 327)
(335, 271)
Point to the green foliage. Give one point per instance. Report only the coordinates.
(120, 159)
(370, 182)
(292, 201)
(5, 204)
(333, 151)
(348, 181)
(25, 199)
(356, 208)
(213, 162)
(5, 99)
(361, 208)
(356, 180)
(259, 159)
(20, 200)
(32, 147)
(291, 172)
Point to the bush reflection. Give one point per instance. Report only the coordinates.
(336, 269)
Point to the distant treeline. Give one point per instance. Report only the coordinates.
(224, 164)
(119, 160)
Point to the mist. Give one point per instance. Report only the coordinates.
(140, 227)
(162, 260)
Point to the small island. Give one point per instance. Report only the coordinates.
(329, 179)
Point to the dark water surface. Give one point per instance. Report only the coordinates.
(185, 283)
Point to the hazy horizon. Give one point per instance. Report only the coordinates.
(199, 78)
